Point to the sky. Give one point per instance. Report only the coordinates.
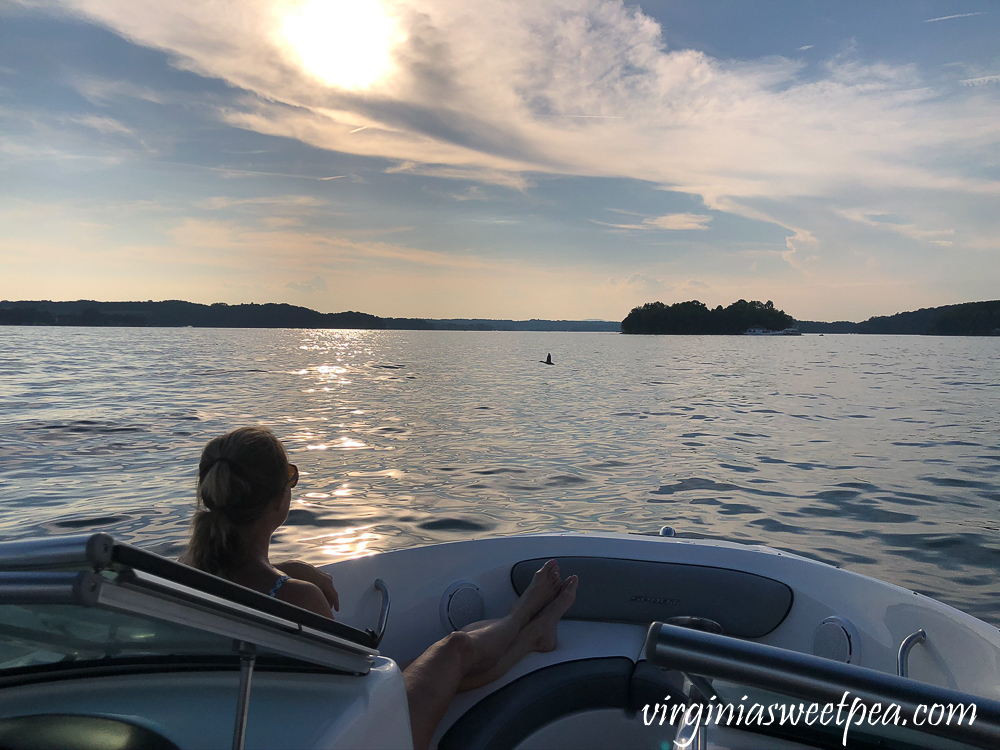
(565, 159)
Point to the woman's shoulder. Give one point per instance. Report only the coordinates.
(306, 595)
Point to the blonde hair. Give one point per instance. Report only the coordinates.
(240, 476)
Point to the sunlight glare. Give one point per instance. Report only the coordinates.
(343, 43)
(346, 544)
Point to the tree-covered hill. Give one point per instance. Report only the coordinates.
(176, 313)
(969, 319)
(695, 317)
(966, 319)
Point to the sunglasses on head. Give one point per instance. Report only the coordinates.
(293, 475)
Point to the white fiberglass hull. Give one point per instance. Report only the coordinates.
(781, 611)
(960, 651)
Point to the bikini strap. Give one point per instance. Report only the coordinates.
(277, 585)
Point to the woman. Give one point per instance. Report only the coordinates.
(244, 493)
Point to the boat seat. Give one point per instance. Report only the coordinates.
(76, 732)
(746, 605)
(507, 716)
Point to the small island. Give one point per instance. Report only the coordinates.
(695, 318)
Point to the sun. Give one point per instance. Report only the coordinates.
(345, 44)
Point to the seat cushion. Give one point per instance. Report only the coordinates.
(507, 716)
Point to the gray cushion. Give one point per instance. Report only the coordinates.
(504, 718)
(746, 605)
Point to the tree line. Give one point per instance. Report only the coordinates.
(177, 313)
(695, 317)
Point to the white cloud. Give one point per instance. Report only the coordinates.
(680, 221)
(495, 92)
(957, 15)
(980, 80)
(676, 222)
(104, 125)
(910, 230)
(517, 87)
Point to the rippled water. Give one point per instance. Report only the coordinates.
(878, 453)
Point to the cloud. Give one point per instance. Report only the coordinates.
(512, 180)
(647, 286)
(641, 282)
(910, 230)
(561, 87)
(236, 243)
(104, 125)
(283, 201)
(680, 221)
(315, 285)
(270, 212)
(472, 193)
(515, 91)
(981, 80)
(957, 15)
(674, 222)
(232, 172)
(804, 47)
(100, 91)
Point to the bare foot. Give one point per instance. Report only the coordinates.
(544, 627)
(545, 584)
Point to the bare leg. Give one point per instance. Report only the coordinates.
(432, 681)
(537, 635)
(434, 677)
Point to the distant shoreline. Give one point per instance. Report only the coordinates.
(694, 317)
(180, 314)
(966, 319)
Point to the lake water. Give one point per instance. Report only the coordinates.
(881, 454)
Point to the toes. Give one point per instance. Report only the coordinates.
(567, 592)
(547, 577)
(550, 570)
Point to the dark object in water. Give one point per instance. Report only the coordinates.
(548, 360)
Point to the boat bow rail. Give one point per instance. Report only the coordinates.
(804, 677)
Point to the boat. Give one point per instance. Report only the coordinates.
(108, 645)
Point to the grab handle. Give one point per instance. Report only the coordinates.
(903, 656)
(383, 615)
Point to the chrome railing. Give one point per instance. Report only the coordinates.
(815, 679)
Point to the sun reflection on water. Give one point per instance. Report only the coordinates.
(346, 543)
(465, 436)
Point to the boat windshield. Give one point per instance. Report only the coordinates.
(66, 634)
(77, 602)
